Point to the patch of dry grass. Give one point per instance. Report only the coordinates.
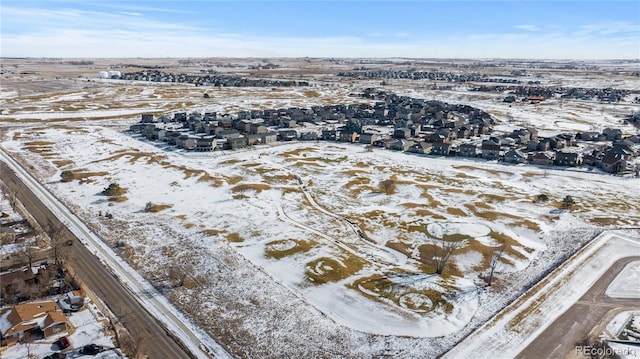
(381, 288)
(62, 163)
(298, 151)
(357, 181)
(605, 221)
(326, 269)
(257, 187)
(456, 212)
(527, 224)
(287, 247)
(153, 208)
(211, 232)
(81, 175)
(234, 237)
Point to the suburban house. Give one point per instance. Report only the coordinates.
(490, 150)
(402, 133)
(441, 149)
(329, 135)
(613, 162)
(542, 158)
(348, 136)
(187, 142)
(421, 147)
(32, 319)
(570, 159)
(287, 135)
(468, 150)
(147, 118)
(235, 143)
(309, 136)
(401, 145)
(368, 138)
(269, 137)
(206, 144)
(253, 139)
(12, 281)
(515, 156)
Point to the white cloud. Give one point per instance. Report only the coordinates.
(528, 27)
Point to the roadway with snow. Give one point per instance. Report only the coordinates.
(197, 341)
(511, 330)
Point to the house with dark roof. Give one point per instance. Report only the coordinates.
(490, 150)
(441, 149)
(515, 156)
(421, 147)
(468, 150)
(613, 162)
(542, 158)
(401, 145)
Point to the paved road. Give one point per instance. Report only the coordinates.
(88, 269)
(591, 310)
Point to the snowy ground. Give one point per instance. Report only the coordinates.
(627, 283)
(89, 328)
(276, 263)
(297, 233)
(519, 324)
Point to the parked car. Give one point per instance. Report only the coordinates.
(56, 355)
(63, 343)
(91, 349)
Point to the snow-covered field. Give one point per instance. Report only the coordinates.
(518, 325)
(627, 283)
(293, 212)
(295, 250)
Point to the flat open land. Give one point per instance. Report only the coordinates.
(299, 249)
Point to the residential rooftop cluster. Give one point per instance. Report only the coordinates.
(397, 123)
(207, 79)
(429, 75)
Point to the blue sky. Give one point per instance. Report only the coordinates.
(438, 29)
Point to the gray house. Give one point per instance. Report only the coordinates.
(515, 156)
(368, 138)
(401, 145)
(490, 150)
(468, 150)
(421, 147)
(441, 149)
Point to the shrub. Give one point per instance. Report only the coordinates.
(388, 186)
(113, 190)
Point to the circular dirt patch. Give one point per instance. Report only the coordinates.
(416, 302)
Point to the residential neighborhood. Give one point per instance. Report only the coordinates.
(397, 123)
(217, 80)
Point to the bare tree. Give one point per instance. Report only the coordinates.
(131, 343)
(442, 251)
(57, 242)
(496, 257)
(28, 254)
(29, 346)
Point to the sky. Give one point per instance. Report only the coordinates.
(419, 29)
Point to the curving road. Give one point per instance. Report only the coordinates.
(160, 328)
(590, 311)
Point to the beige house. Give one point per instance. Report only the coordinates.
(32, 320)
